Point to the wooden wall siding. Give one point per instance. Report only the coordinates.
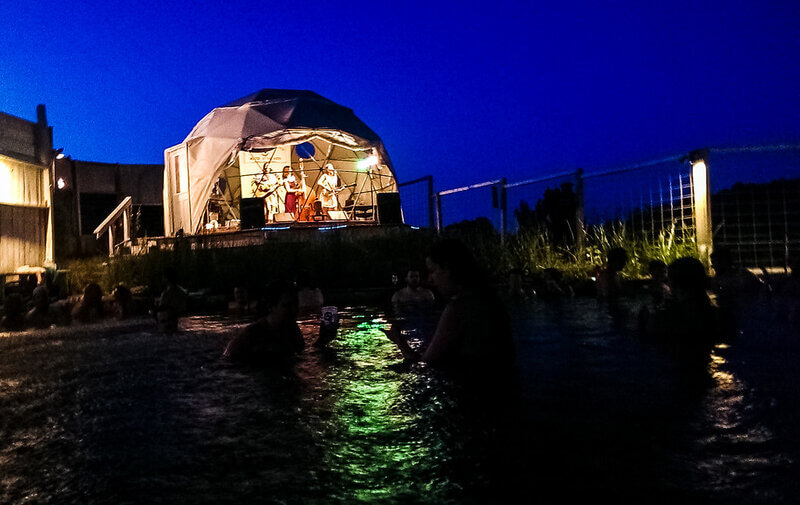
(23, 232)
(17, 137)
(23, 183)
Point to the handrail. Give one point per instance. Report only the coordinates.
(123, 210)
(115, 214)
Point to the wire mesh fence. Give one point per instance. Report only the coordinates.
(643, 199)
(648, 199)
(528, 196)
(417, 201)
(478, 201)
(756, 204)
(749, 195)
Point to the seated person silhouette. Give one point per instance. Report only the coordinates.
(273, 339)
(319, 214)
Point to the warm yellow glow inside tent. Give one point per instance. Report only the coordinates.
(269, 153)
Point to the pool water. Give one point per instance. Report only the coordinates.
(118, 413)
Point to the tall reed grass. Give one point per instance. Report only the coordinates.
(340, 261)
(534, 250)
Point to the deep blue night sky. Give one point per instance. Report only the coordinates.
(466, 91)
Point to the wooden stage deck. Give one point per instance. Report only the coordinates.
(275, 233)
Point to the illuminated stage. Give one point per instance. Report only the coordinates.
(279, 233)
(278, 157)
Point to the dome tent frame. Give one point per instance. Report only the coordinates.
(216, 163)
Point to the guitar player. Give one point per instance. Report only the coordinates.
(331, 185)
(266, 187)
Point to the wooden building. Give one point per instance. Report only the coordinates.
(87, 191)
(26, 158)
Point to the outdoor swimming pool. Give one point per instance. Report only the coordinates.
(118, 413)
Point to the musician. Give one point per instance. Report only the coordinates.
(267, 186)
(293, 188)
(331, 185)
(306, 197)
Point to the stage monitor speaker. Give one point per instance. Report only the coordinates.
(284, 217)
(337, 215)
(389, 211)
(252, 213)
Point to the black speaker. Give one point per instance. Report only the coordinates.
(389, 208)
(252, 213)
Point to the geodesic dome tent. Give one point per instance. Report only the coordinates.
(223, 159)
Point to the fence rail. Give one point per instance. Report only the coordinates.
(670, 193)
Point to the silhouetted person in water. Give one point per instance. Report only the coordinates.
(516, 290)
(732, 283)
(658, 288)
(273, 338)
(90, 307)
(13, 313)
(171, 305)
(413, 305)
(609, 283)
(474, 332)
(735, 288)
(787, 292)
(689, 325)
(40, 316)
(122, 302)
(309, 296)
(553, 285)
(241, 305)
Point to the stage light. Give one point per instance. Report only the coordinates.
(59, 156)
(60, 184)
(369, 161)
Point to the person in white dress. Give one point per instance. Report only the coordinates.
(331, 185)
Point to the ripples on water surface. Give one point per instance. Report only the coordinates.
(117, 413)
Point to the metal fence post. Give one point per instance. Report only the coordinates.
(438, 206)
(431, 204)
(580, 225)
(502, 204)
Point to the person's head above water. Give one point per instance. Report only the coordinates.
(13, 306)
(794, 263)
(452, 267)
(552, 274)
(93, 294)
(687, 277)
(413, 278)
(40, 298)
(170, 275)
(657, 269)
(722, 260)
(280, 298)
(304, 279)
(617, 257)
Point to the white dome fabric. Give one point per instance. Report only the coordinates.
(258, 122)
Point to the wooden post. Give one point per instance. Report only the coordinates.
(77, 195)
(126, 224)
(111, 240)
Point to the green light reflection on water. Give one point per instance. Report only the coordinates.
(374, 446)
